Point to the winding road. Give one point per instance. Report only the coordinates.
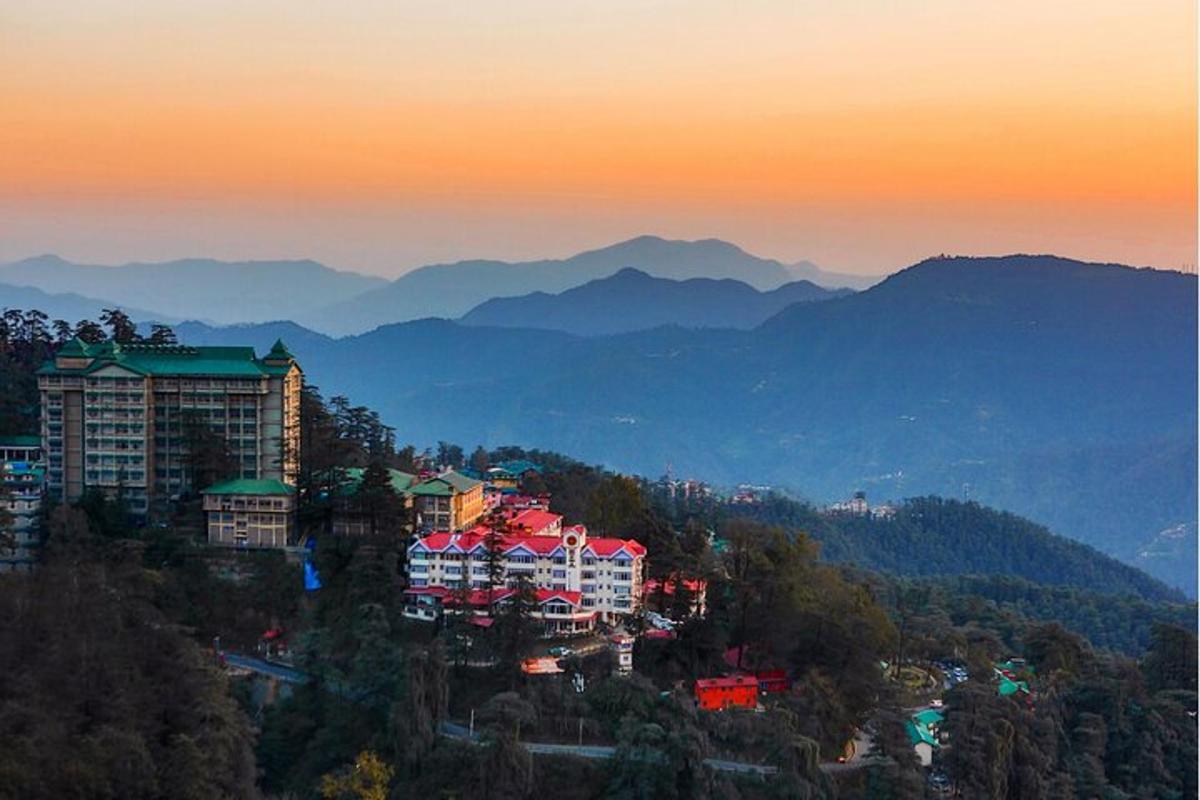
(602, 752)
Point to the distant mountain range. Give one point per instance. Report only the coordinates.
(70, 307)
(449, 291)
(632, 300)
(1060, 390)
(340, 303)
(218, 291)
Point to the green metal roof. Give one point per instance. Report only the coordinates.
(20, 441)
(165, 359)
(279, 351)
(434, 487)
(447, 484)
(401, 481)
(74, 348)
(929, 716)
(250, 486)
(919, 733)
(519, 466)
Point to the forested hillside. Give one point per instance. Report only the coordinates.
(934, 536)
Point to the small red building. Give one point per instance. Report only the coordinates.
(773, 681)
(714, 694)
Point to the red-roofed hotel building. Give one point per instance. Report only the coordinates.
(598, 576)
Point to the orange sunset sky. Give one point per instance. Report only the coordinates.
(377, 136)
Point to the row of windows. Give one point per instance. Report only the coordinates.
(113, 412)
(108, 443)
(175, 415)
(116, 398)
(113, 428)
(587, 602)
(112, 476)
(108, 459)
(112, 380)
(254, 519)
(257, 503)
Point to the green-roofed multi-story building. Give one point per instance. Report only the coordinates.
(113, 415)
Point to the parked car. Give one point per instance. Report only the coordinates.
(561, 651)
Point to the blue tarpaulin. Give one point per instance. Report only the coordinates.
(312, 581)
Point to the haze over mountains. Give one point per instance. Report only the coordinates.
(451, 290)
(1060, 390)
(631, 300)
(338, 302)
(69, 306)
(218, 291)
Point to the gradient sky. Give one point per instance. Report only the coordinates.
(863, 135)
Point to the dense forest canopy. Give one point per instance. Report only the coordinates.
(114, 690)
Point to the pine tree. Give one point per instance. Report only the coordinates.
(378, 501)
(121, 326)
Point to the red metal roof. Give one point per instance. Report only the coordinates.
(539, 545)
(476, 538)
(729, 682)
(605, 548)
(535, 521)
(693, 585)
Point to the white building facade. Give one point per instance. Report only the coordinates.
(606, 573)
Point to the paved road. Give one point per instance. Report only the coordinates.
(604, 752)
(285, 674)
(456, 731)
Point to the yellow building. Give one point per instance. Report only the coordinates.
(448, 502)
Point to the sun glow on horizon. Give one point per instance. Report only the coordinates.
(382, 135)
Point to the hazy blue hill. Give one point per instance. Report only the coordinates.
(1062, 391)
(631, 300)
(451, 290)
(220, 291)
(69, 306)
(808, 271)
(260, 335)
